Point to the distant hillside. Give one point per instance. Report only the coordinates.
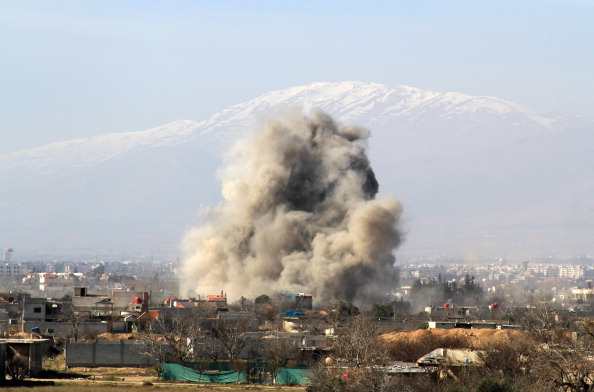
(476, 175)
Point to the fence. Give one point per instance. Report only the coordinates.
(120, 353)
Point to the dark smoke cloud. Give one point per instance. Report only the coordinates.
(299, 216)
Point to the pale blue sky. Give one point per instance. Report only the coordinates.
(81, 68)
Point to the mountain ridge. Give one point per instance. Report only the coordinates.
(449, 102)
(449, 157)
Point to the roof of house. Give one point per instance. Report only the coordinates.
(216, 298)
(451, 357)
(149, 315)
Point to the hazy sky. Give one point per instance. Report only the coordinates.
(80, 68)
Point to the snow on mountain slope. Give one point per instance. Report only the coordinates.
(367, 104)
(463, 166)
(80, 152)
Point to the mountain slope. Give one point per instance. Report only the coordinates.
(475, 174)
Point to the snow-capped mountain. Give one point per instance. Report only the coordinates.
(476, 175)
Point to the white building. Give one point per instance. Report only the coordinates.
(10, 269)
(571, 271)
(57, 283)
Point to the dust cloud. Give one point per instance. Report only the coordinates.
(299, 215)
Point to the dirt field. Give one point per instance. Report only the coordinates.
(107, 379)
(473, 338)
(112, 387)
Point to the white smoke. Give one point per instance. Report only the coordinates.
(299, 215)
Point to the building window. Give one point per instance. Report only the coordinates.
(36, 310)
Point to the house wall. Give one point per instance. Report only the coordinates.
(119, 327)
(34, 309)
(107, 354)
(440, 325)
(62, 329)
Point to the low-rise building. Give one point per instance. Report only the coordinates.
(106, 306)
(11, 269)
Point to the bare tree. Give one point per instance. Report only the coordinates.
(208, 348)
(357, 342)
(174, 339)
(542, 324)
(17, 368)
(358, 346)
(326, 379)
(232, 337)
(266, 313)
(73, 319)
(510, 356)
(370, 379)
(587, 328)
(279, 352)
(566, 367)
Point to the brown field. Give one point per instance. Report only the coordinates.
(471, 337)
(108, 379)
(113, 387)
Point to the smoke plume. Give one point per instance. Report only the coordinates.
(299, 215)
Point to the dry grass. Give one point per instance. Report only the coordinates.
(115, 336)
(112, 387)
(116, 371)
(57, 363)
(107, 379)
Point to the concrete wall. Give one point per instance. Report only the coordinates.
(63, 329)
(119, 327)
(107, 354)
(34, 309)
(441, 325)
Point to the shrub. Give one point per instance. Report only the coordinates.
(494, 385)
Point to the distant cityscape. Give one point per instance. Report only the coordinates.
(557, 278)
